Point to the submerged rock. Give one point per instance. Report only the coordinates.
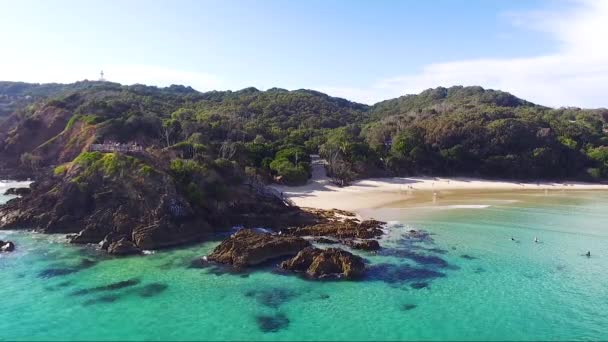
(271, 324)
(323, 263)
(248, 248)
(7, 246)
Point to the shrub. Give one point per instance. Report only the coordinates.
(60, 170)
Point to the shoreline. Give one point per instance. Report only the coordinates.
(320, 193)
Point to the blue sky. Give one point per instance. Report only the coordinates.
(362, 50)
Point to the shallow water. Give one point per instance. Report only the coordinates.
(467, 280)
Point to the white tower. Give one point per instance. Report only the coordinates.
(101, 79)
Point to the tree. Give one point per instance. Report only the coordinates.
(170, 131)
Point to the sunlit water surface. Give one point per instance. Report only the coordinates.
(467, 280)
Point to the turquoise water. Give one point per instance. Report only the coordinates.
(467, 280)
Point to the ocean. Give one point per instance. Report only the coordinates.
(474, 274)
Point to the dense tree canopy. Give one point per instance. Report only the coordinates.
(270, 134)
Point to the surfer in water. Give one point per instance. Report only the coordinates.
(588, 254)
(536, 239)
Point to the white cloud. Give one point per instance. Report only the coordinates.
(575, 75)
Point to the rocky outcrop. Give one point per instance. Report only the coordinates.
(17, 192)
(325, 240)
(346, 229)
(107, 195)
(248, 248)
(7, 246)
(366, 245)
(123, 247)
(326, 263)
(91, 203)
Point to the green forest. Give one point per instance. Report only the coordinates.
(269, 135)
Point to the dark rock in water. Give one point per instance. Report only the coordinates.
(367, 245)
(418, 286)
(269, 324)
(56, 272)
(272, 297)
(86, 263)
(479, 270)
(325, 241)
(419, 236)
(101, 300)
(248, 248)
(468, 257)
(17, 192)
(61, 271)
(408, 307)
(198, 263)
(427, 260)
(152, 290)
(123, 247)
(397, 274)
(110, 287)
(323, 263)
(7, 246)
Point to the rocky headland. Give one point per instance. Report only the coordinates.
(127, 204)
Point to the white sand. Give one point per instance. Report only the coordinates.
(371, 193)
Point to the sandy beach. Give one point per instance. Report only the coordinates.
(321, 193)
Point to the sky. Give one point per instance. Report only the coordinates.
(551, 52)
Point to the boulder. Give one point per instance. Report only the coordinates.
(326, 263)
(7, 246)
(18, 191)
(123, 247)
(248, 247)
(366, 245)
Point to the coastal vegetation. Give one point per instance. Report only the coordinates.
(139, 167)
(270, 134)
